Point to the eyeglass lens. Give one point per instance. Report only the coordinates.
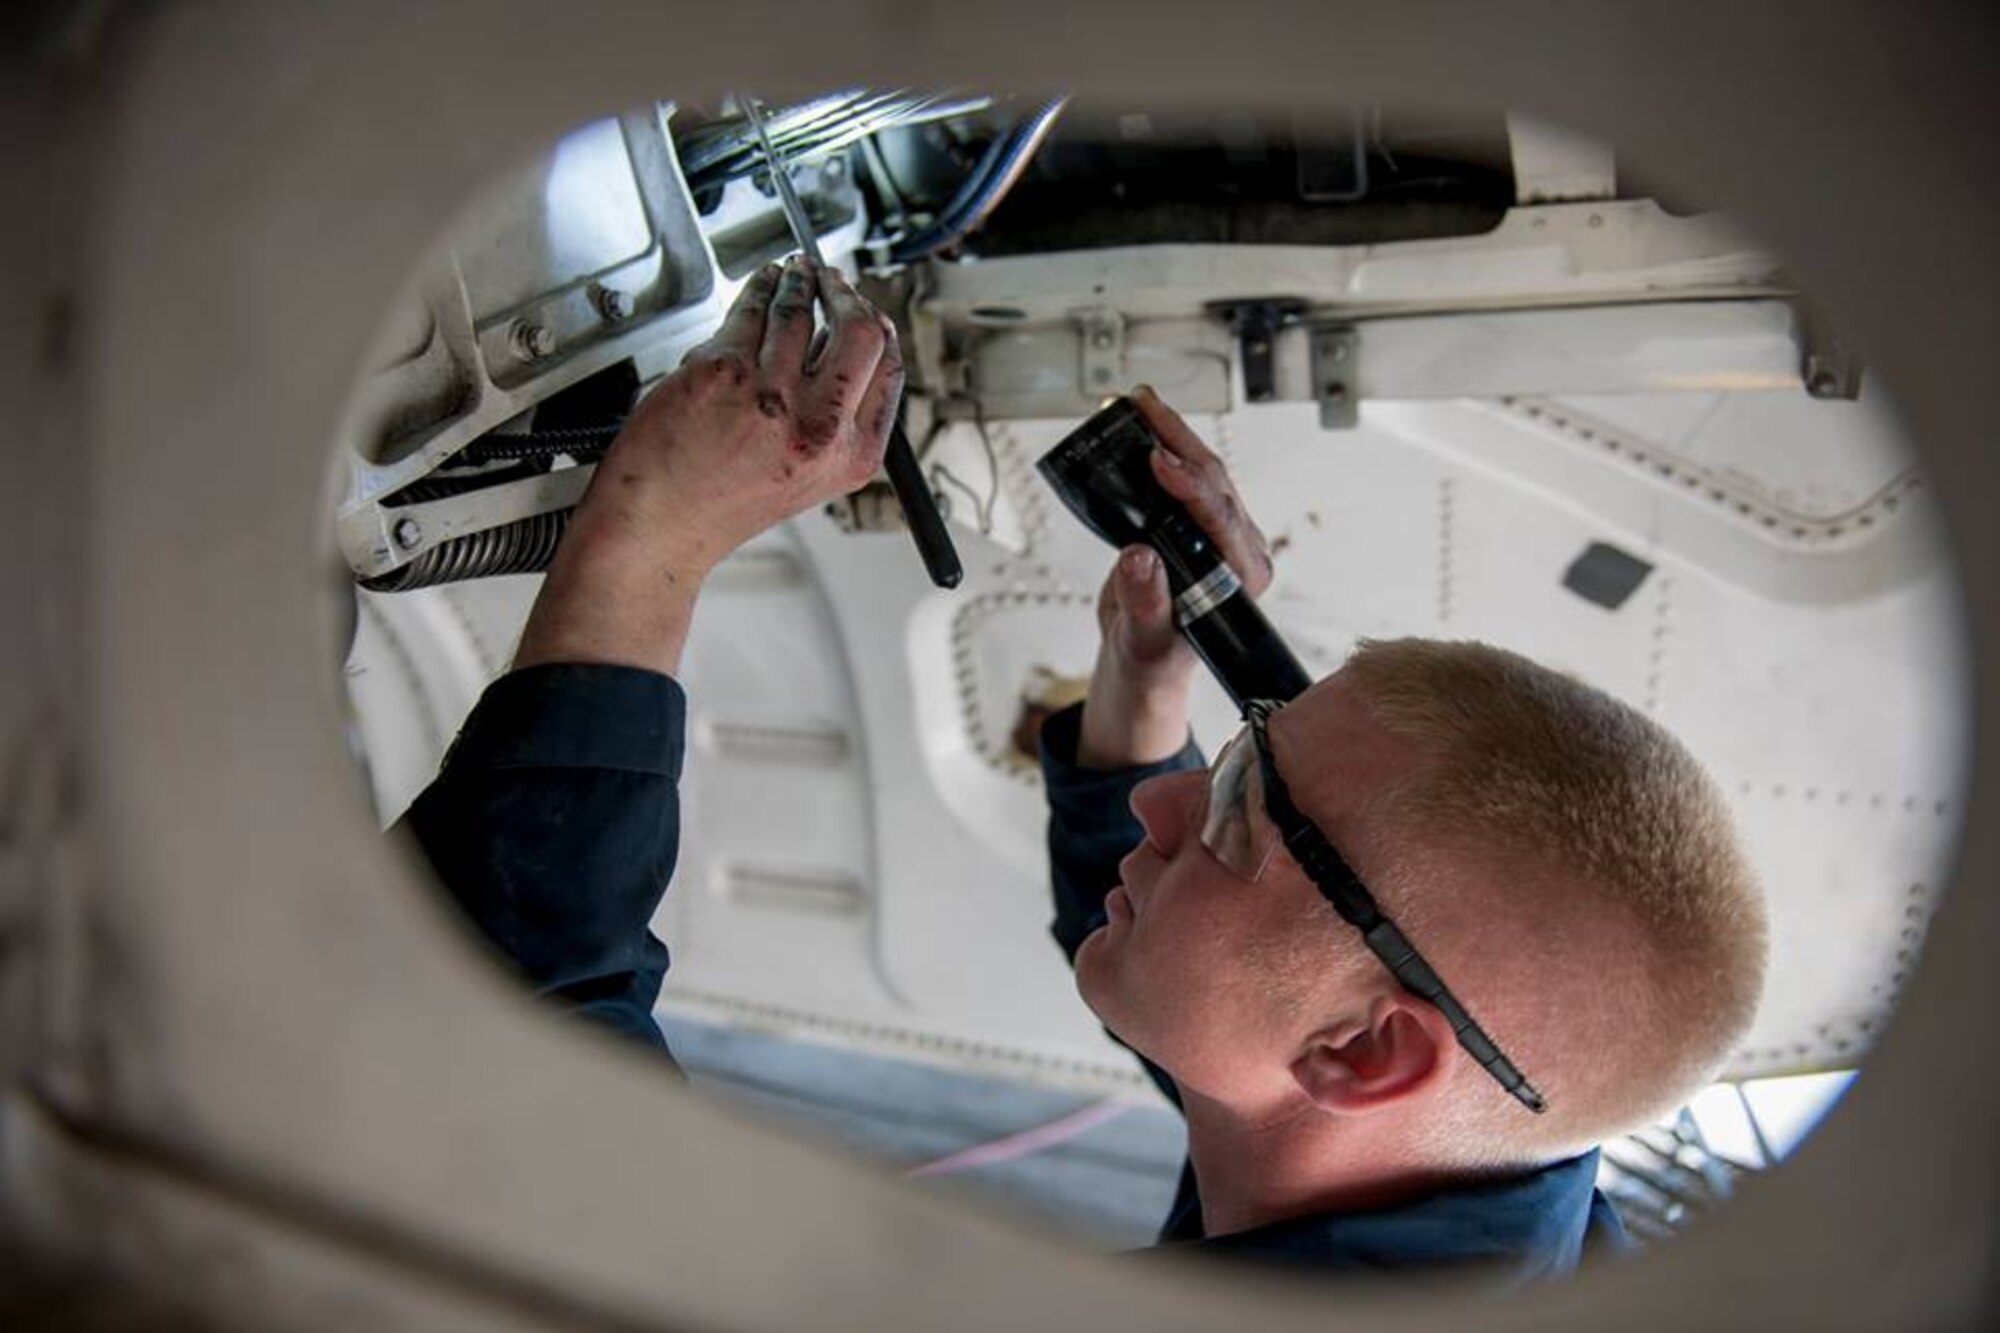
(1229, 829)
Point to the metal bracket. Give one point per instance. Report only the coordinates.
(1256, 322)
(378, 538)
(1103, 367)
(1336, 365)
(1826, 364)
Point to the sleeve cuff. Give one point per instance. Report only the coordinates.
(1080, 792)
(578, 715)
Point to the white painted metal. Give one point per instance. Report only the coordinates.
(376, 539)
(1553, 163)
(1549, 254)
(1032, 369)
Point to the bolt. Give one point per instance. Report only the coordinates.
(611, 303)
(1101, 339)
(531, 341)
(833, 169)
(1596, 219)
(1337, 351)
(1102, 375)
(408, 533)
(1336, 392)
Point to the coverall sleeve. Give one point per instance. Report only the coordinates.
(554, 823)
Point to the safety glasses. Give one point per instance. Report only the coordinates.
(1243, 779)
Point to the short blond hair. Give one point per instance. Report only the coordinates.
(1613, 817)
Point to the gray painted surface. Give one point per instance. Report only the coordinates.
(1110, 1185)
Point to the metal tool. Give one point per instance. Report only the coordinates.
(906, 478)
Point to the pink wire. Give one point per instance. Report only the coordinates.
(1025, 1143)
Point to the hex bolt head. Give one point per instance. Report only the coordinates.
(611, 303)
(408, 532)
(531, 341)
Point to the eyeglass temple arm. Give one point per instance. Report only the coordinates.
(1408, 966)
(1338, 884)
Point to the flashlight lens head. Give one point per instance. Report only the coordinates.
(1102, 473)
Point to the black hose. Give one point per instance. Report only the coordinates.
(983, 189)
(576, 441)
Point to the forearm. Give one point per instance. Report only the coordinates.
(1132, 717)
(615, 595)
(1091, 825)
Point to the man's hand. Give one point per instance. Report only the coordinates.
(1137, 708)
(760, 423)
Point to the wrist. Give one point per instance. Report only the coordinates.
(629, 519)
(615, 599)
(1133, 717)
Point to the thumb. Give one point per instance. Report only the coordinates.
(1142, 590)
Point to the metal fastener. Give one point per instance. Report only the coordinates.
(1101, 339)
(611, 303)
(408, 533)
(531, 341)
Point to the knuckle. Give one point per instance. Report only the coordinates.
(860, 331)
(790, 307)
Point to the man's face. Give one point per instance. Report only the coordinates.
(1211, 976)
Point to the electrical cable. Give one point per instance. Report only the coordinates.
(723, 151)
(981, 192)
(1026, 1143)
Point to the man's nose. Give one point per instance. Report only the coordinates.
(1165, 807)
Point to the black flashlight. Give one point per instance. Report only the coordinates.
(1101, 471)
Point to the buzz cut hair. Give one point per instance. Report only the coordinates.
(1599, 804)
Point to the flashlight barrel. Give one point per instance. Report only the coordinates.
(1228, 632)
(1245, 653)
(1102, 473)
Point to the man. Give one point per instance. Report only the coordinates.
(1562, 864)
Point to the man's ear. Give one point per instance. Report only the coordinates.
(1400, 1050)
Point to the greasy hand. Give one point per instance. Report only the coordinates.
(1134, 608)
(759, 423)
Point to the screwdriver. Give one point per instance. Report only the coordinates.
(906, 478)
